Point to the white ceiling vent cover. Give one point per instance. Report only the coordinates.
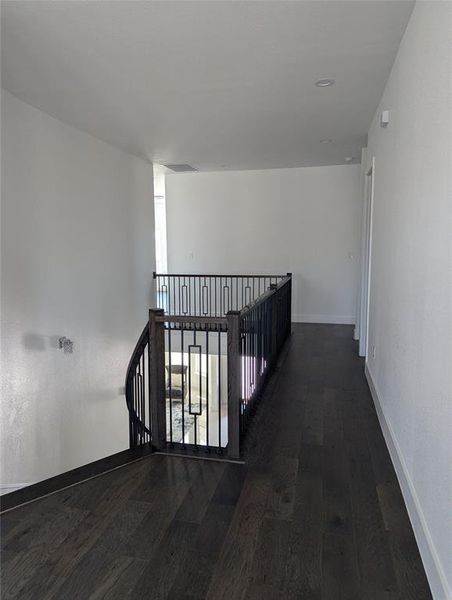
(180, 168)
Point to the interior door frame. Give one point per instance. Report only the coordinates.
(366, 272)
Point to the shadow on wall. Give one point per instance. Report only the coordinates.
(37, 342)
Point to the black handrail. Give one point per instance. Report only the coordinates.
(155, 275)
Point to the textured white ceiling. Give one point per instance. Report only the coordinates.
(213, 84)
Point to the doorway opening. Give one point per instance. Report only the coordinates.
(367, 261)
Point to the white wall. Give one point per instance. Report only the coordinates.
(411, 280)
(305, 221)
(77, 260)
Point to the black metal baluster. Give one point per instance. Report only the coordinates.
(140, 400)
(189, 374)
(183, 385)
(249, 320)
(240, 374)
(245, 362)
(174, 296)
(194, 296)
(137, 405)
(149, 381)
(207, 387)
(250, 355)
(219, 388)
(241, 304)
(212, 311)
(143, 391)
(170, 386)
(253, 324)
(131, 429)
(261, 339)
(204, 299)
(157, 289)
(179, 308)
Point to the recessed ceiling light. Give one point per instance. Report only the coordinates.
(326, 141)
(324, 82)
(349, 158)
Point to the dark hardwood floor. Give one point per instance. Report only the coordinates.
(316, 512)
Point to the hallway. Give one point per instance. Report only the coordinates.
(316, 512)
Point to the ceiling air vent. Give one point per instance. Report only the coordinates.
(180, 168)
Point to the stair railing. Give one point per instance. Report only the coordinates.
(221, 361)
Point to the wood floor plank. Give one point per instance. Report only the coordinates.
(232, 573)
(333, 433)
(304, 561)
(336, 490)
(310, 459)
(340, 575)
(230, 485)
(164, 566)
(257, 591)
(199, 495)
(312, 430)
(282, 474)
(270, 554)
(197, 571)
(90, 574)
(119, 581)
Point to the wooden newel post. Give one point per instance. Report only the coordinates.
(132, 426)
(274, 324)
(289, 308)
(157, 378)
(234, 383)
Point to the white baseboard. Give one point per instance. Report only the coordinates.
(330, 319)
(432, 564)
(6, 488)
